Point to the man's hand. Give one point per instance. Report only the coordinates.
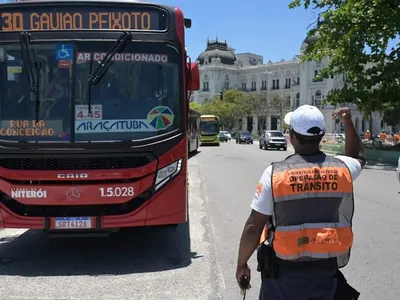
(343, 114)
(243, 276)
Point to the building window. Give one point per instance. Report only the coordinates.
(316, 73)
(254, 86)
(297, 103)
(287, 83)
(205, 86)
(243, 86)
(263, 85)
(277, 84)
(273, 84)
(318, 99)
(226, 84)
(298, 80)
(287, 102)
(205, 83)
(363, 125)
(357, 124)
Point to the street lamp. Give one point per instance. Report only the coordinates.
(266, 99)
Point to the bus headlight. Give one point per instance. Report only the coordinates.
(166, 173)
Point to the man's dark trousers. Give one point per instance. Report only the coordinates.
(300, 284)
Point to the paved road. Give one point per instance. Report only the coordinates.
(164, 263)
(231, 174)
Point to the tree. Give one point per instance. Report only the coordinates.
(354, 36)
(196, 106)
(263, 105)
(391, 116)
(230, 110)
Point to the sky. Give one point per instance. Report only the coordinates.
(265, 27)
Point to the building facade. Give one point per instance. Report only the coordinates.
(296, 83)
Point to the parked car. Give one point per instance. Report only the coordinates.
(273, 139)
(227, 134)
(244, 137)
(223, 137)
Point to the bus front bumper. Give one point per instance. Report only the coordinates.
(168, 206)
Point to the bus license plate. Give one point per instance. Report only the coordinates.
(73, 223)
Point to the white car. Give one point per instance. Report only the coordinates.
(227, 134)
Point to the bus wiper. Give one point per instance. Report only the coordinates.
(105, 64)
(31, 66)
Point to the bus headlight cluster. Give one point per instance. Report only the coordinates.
(166, 173)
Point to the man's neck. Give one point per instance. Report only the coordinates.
(305, 150)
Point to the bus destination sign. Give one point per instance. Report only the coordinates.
(208, 119)
(34, 18)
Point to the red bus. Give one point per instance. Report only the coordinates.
(193, 130)
(93, 115)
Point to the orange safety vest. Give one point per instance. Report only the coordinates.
(266, 234)
(313, 208)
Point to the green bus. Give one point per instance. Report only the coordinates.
(209, 128)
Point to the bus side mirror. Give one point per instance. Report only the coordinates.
(194, 77)
(188, 23)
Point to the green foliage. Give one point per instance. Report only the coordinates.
(195, 106)
(391, 115)
(354, 35)
(236, 105)
(233, 107)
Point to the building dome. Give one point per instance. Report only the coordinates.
(216, 49)
(308, 40)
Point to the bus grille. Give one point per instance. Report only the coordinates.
(74, 163)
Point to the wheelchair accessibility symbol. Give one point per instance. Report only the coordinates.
(64, 51)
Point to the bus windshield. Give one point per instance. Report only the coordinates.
(209, 127)
(137, 98)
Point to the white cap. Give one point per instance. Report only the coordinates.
(306, 120)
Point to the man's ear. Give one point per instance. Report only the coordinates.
(291, 133)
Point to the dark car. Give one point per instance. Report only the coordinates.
(273, 139)
(223, 137)
(244, 137)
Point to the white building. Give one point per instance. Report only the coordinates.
(221, 68)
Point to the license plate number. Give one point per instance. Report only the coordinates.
(73, 223)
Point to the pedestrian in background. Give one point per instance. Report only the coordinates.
(303, 209)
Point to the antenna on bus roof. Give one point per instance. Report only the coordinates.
(188, 23)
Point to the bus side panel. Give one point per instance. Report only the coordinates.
(210, 140)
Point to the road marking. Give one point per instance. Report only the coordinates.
(9, 234)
